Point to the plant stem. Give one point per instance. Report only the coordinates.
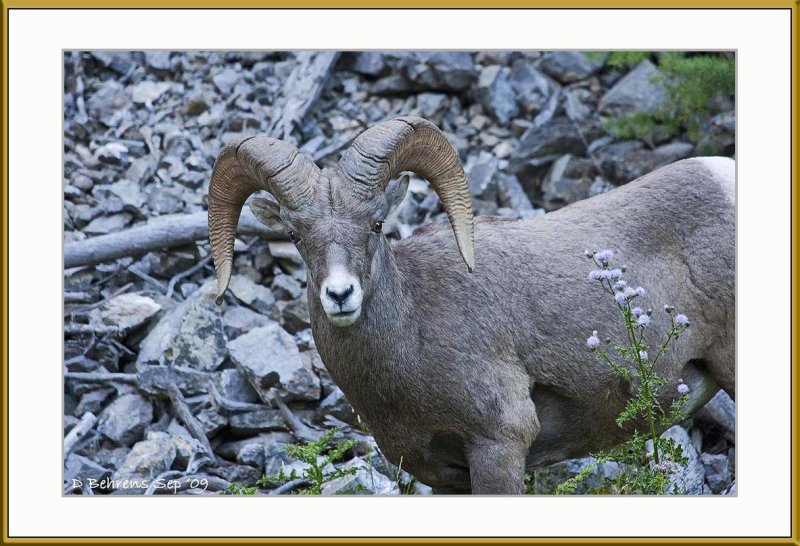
(645, 374)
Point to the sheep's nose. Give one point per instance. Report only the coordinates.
(340, 297)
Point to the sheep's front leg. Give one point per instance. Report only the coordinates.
(497, 467)
(497, 460)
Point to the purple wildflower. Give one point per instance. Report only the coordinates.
(643, 355)
(593, 341)
(604, 256)
(621, 299)
(637, 311)
(596, 275)
(613, 274)
(620, 285)
(629, 293)
(681, 320)
(683, 388)
(643, 321)
(639, 291)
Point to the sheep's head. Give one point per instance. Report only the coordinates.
(335, 216)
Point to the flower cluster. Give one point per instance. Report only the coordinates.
(640, 367)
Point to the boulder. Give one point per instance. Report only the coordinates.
(191, 335)
(124, 420)
(145, 461)
(568, 66)
(268, 357)
(496, 95)
(641, 90)
(718, 474)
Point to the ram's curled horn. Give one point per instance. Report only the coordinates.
(244, 167)
(413, 144)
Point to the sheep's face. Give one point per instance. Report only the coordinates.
(338, 236)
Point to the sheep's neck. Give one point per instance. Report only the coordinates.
(363, 354)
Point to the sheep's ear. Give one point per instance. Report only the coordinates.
(267, 212)
(396, 191)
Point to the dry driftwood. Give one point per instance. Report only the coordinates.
(300, 91)
(79, 431)
(158, 234)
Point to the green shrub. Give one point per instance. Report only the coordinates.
(317, 455)
(647, 461)
(692, 83)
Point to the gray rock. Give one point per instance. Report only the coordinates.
(158, 380)
(718, 475)
(124, 312)
(281, 250)
(113, 153)
(720, 410)
(430, 105)
(568, 66)
(628, 160)
(337, 405)
(165, 265)
(481, 170)
(124, 420)
(369, 63)
(148, 92)
(186, 445)
(366, 481)
(689, 479)
(269, 357)
(146, 460)
(92, 401)
(455, 70)
(443, 70)
(575, 104)
(293, 315)
(129, 193)
(256, 422)
(511, 194)
(257, 450)
(86, 471)
(542, 145)
(108, 102)
(532, 89)
(719, 137)
(107, 224)
(312, 359)
(640, 91)
(496, 95)
(600, 186)
(238, 320)
(211, 420)
(286, 287)
(110, 457)
(233, 385)
(226, 80)
(82, 182)
(120, 62)
(558, 189)
(254, 295)
(190, 335)
(158, 60)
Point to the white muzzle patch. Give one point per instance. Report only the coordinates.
(341, 296)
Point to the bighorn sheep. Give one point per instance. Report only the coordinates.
(471, 375)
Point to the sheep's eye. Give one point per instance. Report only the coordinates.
(377, 227)
(293, 236)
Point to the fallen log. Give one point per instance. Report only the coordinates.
(158, 234)
(300, 91)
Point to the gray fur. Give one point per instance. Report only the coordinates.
(472, 378)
